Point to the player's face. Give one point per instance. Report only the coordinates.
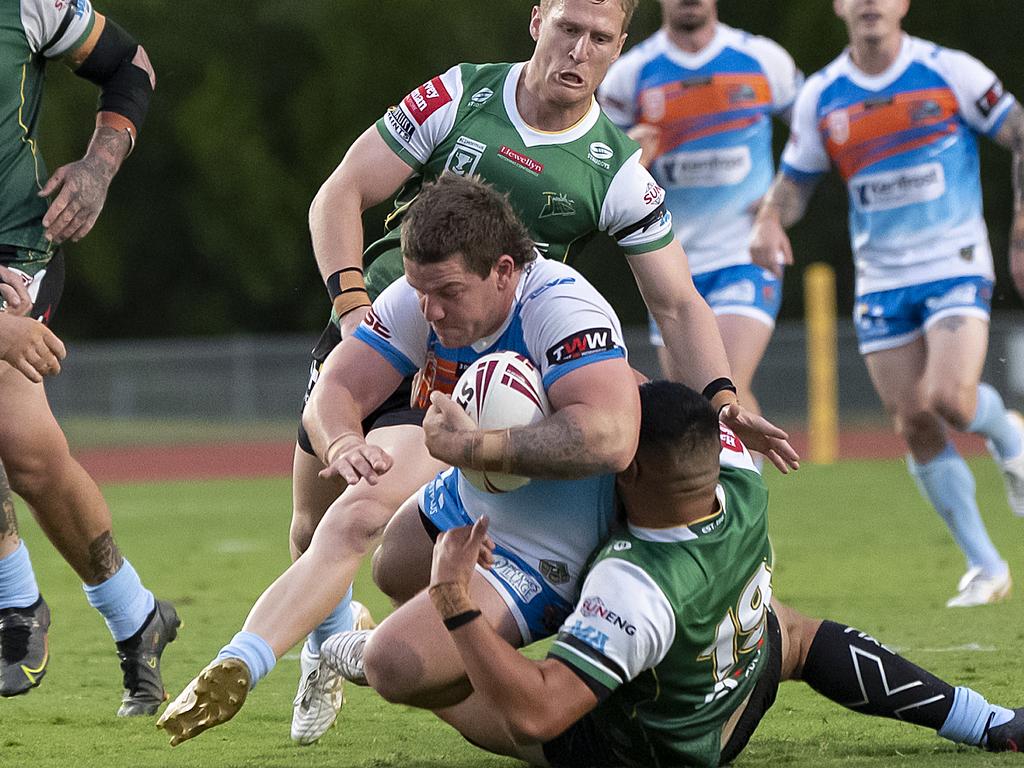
(689, 15)
(461, 306)
(871, 21)
(577, 40)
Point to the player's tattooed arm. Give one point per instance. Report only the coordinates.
(104, 558)
(8, 520)
(783, 205)
(1011, 136)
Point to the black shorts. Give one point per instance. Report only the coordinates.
(392, 412)
(50, 289)
(583, 745)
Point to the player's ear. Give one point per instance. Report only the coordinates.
(535, 19)
(505, 269)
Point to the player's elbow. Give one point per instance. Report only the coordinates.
(537, 726)
(617, 441)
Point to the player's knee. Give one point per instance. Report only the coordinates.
(352, 526)
(953, 402)
(391, 667)
(300, 534)
(36, 472)
(916, 425)
(798, 633)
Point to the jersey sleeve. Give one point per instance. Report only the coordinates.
(734, 453)
(622, 625)
(805, 157)
(634, 211)
(983, 101)
(567, 325)
(784, 78)
(617, 92)
(55, 27)
(421, 121)
(396, 329)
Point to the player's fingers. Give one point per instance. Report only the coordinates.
(83, 224)
(363, 468)
(10, 295)
(51, 184)
(64, 224)
(55, 345)
(30, 372)
(479, 532)
(775, 459)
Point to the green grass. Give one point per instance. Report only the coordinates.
(95, 432)
(853, 542)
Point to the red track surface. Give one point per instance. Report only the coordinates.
(225, 460)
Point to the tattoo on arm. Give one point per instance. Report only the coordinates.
(1011, 136)
(104, 558)
(789, 198)
(555, 448)
(8, 520)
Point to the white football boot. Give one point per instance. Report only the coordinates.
(342, 654)
(321, 692)
(977, 589)
(1013, 469)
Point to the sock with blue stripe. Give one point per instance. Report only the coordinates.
(18, 588)
(254, 651)
(339, 620)
(947, 482)
(122, 601)
(991, 422)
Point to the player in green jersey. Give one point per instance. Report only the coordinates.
(533, 130)
(37, 214)
(676, 647)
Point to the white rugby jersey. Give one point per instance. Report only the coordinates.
(905, 142)
(714, 109)
(561, 323)
(52, 27)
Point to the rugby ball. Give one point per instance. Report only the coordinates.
(501, 390)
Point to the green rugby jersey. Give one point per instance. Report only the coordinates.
(566, 186)
(31, 31)
(670, 630)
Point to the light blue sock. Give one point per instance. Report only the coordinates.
(339, 620)
(948, 484)
(990, 421)
(966, 721)
(18, 588)
(254, 651)
(123, 602)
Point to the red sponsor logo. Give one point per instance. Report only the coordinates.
(729, 440)
(520, 159)
(426, 100)
(654, 194)
(376, 325)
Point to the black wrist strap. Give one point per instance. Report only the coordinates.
(717, 386)
(461, 619)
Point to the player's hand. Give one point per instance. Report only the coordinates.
(649, 138)
(14, 291)
(353, 459)
(348, 322)
(448, 430)
(30, 346)
(1017, 252)
(458, 551)
(81, 189)
(760, 435)
(769, 244)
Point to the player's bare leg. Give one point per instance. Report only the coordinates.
(907, 380)
(312, 586)
(311, 496)
(73, 514)
(401, 564)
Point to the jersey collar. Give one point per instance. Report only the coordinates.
(531, 136)
(883, 79)
(696, 60)
(690, 532)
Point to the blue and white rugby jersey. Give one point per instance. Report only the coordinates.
(714, 109)
(905, 143)
(561, 323)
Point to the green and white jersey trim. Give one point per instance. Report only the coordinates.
(54, 27)
(627, 202)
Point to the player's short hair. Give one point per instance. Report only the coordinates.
(675, 418)
(465, 215)
(628, 8)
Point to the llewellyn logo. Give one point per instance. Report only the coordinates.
(518, 158)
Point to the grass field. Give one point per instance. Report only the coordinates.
(853, 542)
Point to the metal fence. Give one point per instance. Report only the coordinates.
(261, 378)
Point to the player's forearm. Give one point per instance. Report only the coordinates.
(110, 144)
(577, 441)
(330, 413)
(693, 341)
(336, 227)
(786, 200)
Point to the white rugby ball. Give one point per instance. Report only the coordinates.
(501, 390)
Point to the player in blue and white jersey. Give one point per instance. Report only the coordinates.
(700, 97)
(899, 118)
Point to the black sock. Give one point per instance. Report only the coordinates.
(860, 673)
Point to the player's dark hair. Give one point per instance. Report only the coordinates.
(675, 417)
(464, 214)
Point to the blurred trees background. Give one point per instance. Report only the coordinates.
(204, 232)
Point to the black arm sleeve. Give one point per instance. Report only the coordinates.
(124, 87)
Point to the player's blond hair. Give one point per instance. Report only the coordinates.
(628, 8)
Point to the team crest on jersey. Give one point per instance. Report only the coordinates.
(741, 93)
(652, 104)
(928, 109)
(838, 123)
(555, 571)
(481, 97)
(557, 204)
(465, 156)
